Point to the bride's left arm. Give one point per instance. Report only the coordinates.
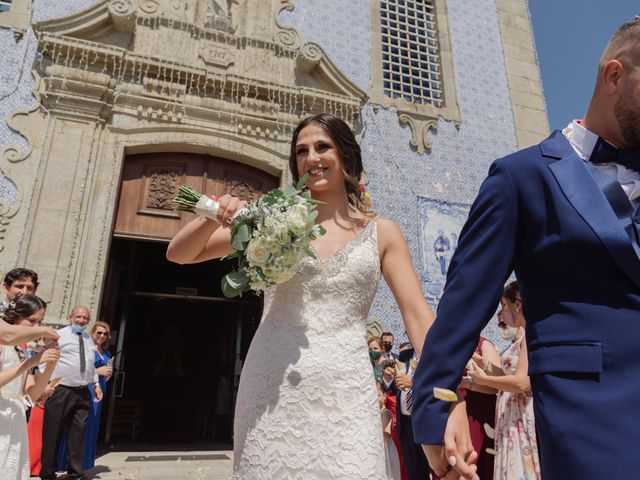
(398, 271)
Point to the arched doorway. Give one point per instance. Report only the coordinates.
(179, 342)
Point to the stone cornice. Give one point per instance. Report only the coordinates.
(82, 82)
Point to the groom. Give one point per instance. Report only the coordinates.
(565, 216)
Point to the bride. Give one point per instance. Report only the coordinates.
(307, 406)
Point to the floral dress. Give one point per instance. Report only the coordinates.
(516, 445)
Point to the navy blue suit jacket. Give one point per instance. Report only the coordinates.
(540, 212)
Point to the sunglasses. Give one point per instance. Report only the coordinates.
(101, 333)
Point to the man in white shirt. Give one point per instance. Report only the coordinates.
(68, 408)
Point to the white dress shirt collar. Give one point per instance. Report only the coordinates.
(583, 142)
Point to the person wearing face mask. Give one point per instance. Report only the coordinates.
(515, 432)
(67, 410)
(388, 341)
(375, 355)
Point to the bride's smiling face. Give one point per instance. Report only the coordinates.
(317, 155)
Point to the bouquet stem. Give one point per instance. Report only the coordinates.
(189, 200)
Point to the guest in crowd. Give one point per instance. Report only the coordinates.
(392, 458)
(515, 433)
(21, 281)
(388, 341)
(375, 355)
(101, 335)
(415, 462)
(34, 429)
(481, 408)
(67, 410)
(18, 282)
(18, 385)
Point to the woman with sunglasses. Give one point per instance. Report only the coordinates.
(101, 334)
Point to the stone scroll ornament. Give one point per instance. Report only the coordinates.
(269, 237)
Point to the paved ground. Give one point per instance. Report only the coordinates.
(164, 464)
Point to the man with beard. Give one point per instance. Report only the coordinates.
(565, 216)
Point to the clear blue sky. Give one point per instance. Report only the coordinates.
(570, 36)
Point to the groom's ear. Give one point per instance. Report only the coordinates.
(612, 75)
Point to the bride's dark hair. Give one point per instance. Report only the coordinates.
(348, 148)
(22, 306)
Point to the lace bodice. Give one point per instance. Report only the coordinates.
(9, 359)
(307, 406)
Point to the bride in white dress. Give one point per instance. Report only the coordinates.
(16, 382)
(307, 406)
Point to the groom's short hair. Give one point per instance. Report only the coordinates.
(625, 42)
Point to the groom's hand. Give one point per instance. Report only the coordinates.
(456, 458)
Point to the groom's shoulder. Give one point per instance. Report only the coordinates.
(534, 158)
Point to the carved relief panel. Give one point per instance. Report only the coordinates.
(150, 182)
(161, 184)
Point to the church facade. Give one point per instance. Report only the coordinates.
(108, 106)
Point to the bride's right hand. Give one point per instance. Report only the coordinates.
(229, 206)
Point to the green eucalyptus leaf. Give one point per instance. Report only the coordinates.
(236, 279)
(227, 290)
(243, 233)
(312, 216)
(289, 191)
(237, 243)
(302, 181)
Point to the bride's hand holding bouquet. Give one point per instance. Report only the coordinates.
(268, 237)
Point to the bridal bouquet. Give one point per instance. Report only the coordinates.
(269, 237)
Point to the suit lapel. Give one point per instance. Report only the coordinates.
(587, 198)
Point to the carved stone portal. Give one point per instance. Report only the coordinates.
(147, 76)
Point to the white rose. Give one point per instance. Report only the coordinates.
(257, 253)
(297, 219)
(279, 276)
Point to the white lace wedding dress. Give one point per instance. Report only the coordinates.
(307, 406)
(14, 443)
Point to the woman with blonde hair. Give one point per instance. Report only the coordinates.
(101, 335)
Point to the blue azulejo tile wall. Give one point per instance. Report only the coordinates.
(434, 189)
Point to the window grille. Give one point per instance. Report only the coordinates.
(5, 5)
(410, 51)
